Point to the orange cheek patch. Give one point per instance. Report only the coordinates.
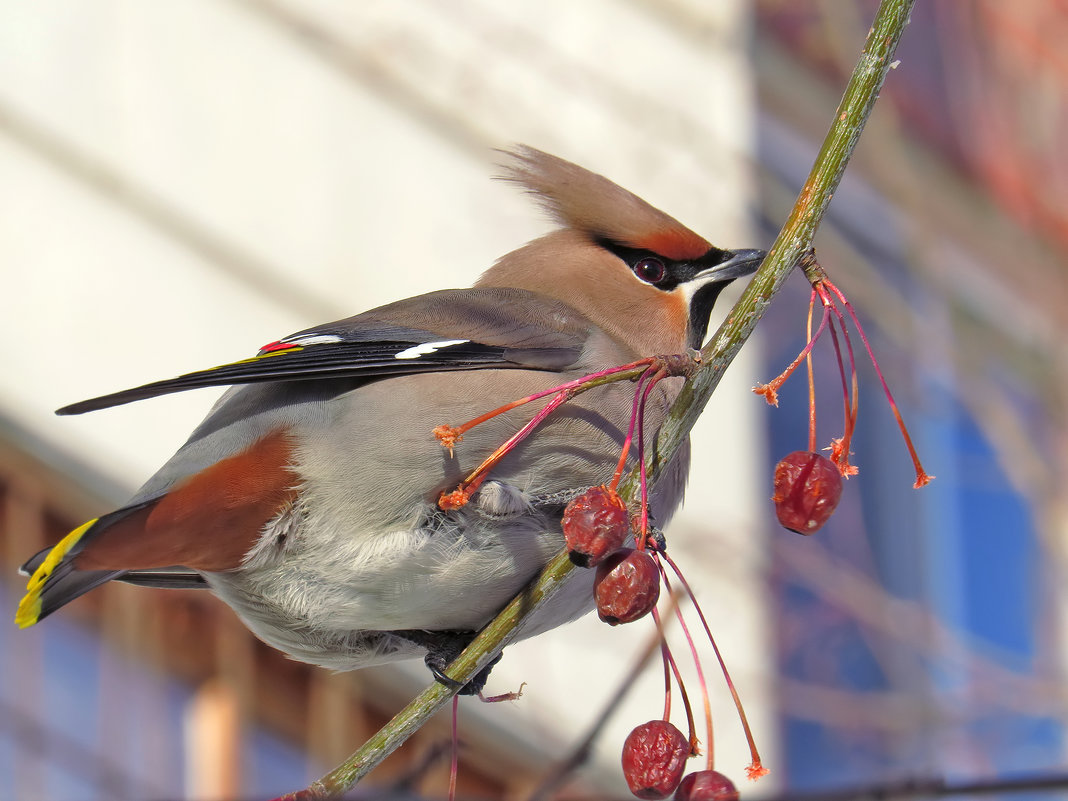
(209, 521)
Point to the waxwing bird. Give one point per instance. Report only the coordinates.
(307, 498)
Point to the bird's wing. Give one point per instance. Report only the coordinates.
(179, 517)
(448, 330)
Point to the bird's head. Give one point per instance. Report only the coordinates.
(636, 272)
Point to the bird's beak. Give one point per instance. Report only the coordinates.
(738, 264)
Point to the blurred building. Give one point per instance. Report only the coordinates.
(183, 182)
(924, 635)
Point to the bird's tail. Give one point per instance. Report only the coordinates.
(54, 580)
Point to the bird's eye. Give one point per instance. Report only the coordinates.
(650, 270)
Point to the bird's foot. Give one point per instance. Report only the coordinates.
(442, 648)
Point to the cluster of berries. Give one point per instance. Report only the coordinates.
(597, 526)
(808, 485)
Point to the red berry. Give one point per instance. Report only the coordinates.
(595, 524)
(807, 489)
(627, 586)
(706, 785)
(654, 757)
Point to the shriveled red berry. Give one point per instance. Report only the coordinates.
(807, 489)
(627, 586)
(595, 524)
(654, 757)
(706, 785)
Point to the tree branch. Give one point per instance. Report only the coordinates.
(794, 238)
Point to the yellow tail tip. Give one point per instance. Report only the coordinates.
(29, 611)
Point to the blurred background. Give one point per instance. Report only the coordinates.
(182, 182)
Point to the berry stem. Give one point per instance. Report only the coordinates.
(665, 657)
(811, 380)
(474, 480)
(580, 752)
(630, 431)
(573, 384)
(922, 477)
(691, 725)
(770, 389)
(667, 676)
(705, 699)
(449, 436)
(850, 393)
(755, 769)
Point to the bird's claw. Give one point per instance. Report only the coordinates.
(475, 686)
(442, 648)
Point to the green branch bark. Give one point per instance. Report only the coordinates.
(792, 241)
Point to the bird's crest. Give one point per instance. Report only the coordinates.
(588, 202)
